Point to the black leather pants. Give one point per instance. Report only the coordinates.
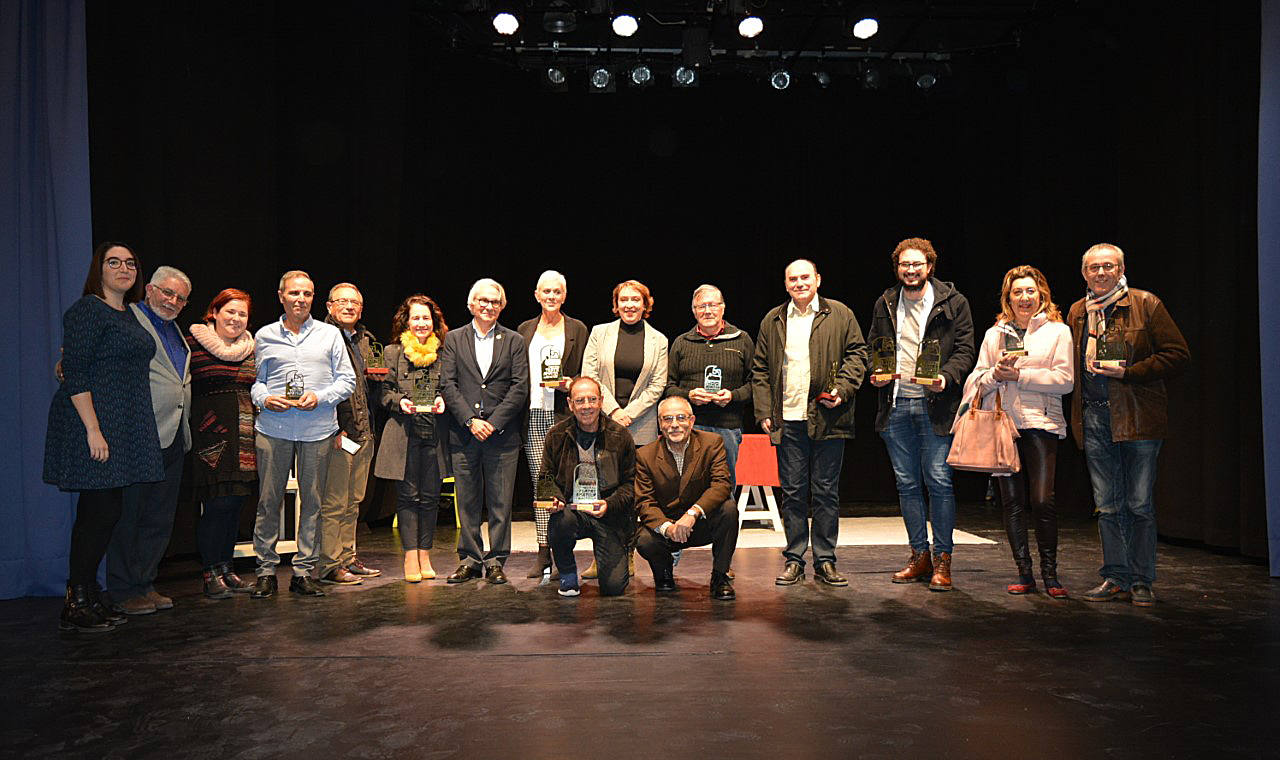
(1032, 490)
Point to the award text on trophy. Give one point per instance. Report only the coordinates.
(551, 367)
(1113, 352)
(884, 360)
(712, 379)
(586, 486)
(294, 386)
(928, 363)
(424, 393)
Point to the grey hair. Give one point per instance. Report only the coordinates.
(552, 274)
(485, 282)
(1102, 248)
(290, 275)
(681, 399)
(335, 288)
(706, 288)
(163, 273)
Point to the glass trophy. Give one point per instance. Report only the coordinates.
(1014, 344)
(294, 386)
(375, 360)
(884, 359)
(551, 367)
(544, 490)
(424, 393)
(1112, 350)
(712, 379)
(586, 485)
(928, 363)
(830, 389)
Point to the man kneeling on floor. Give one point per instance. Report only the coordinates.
(684, 498)
(592, 462)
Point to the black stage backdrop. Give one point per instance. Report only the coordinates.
(238, 140)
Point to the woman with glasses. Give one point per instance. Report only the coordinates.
(1027, 358)
(224, 468)
(556, 343)
(102, 433)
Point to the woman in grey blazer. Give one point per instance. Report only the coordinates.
(629, 360)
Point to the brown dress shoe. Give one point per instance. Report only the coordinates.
(941, 580)
(918, 569)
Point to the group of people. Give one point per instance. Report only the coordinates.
(631, 439)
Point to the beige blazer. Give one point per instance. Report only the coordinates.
(170, 392)
(597, 363)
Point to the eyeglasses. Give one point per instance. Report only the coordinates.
(586, 400)
(167, 293)
(1106, 266)
(707, 306)
(667, 419)
(913, 264)
(114, 263)
(490, 302)
(347, 301)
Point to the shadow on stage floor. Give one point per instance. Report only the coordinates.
(877, 670)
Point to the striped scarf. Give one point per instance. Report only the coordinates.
(1096, 307)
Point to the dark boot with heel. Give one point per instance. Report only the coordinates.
(78, 613)
(214, 586)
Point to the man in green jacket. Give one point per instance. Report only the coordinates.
(810, 359)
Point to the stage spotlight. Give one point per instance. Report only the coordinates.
(870, 78)
(601, 79)
(684, 76)
(624, 25)
(506, 24)
(554, 79)
(560, 18)
(780, 79)
(822, 78)
(926, 81)
(751, 26)
(866, 28)
(641, 75)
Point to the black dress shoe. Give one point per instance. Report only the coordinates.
(1105, 592)
(826, 572)
(304, 586)
(792, 574)
(494, 574)
(264, 587)
(463, 574)
(664, 581)
(721, 588)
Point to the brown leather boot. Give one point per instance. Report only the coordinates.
(941, 580)
(918, 569)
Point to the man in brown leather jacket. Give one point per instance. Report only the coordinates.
(1128, 346)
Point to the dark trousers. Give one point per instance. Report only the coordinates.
(1031, 489)
(418, 495)
(608, 543)
(720, 529)
(484, 477)
(97, 512)
(142, 534)
(216, 529)
(809, 472)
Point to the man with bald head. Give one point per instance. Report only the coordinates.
(684, 498)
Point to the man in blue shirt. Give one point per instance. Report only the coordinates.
(146, 518)
(303, 372)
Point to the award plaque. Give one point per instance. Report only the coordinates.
(884, 359)
(928, 363)
(829, 385)
(551, 367)
(1014, 344)
(424, 394)
(712, 379)
(1112, 350)
(375, 361)
(294, 386)
(586, 485)
(544, 490)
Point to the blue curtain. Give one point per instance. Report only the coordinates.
(45, 245)
(1269, 264)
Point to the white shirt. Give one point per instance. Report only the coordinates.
(539, 397)
(912, 317)
(795, 363)
(484, 347)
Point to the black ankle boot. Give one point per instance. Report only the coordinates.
(78, 614)
(233, 581)
(214, 587)
(1049, 573)
(543, 562)
(103, 611)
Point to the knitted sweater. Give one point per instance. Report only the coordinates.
(731, 351)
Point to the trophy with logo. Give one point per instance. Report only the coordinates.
(712, 379)
(830, 390)
(586, 486)
(294, 387)
(375, 360)
(424, 393)
(928, 363)
(1014, 344)
(884, 360)
(1113, 352)
(544, 490)
(551, 367)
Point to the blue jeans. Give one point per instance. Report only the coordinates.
(919, 454)
(484, 477)
(1124, 479)
(732, 438)
(809, 472)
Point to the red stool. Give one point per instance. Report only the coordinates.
(757, 475)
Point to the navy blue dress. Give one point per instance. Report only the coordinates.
(107, 353)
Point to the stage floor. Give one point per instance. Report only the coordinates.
(877, 670)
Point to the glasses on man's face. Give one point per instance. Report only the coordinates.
(707, 307)
(1106, 266)
(912, 264)
(175, 295)
(115, 263)
(586, 400)
(491, 303)
(668, 419)
(347, 301)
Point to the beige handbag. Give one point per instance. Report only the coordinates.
(983, 439)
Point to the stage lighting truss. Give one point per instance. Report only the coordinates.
(601, 78)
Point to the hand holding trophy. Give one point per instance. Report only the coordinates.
(928, 370)
(424, 394)
(884, 361)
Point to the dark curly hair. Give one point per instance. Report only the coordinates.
(400, 322)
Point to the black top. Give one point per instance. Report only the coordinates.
(628, 360)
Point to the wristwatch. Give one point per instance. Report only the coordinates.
(473, 419)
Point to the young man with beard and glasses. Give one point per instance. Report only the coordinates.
(1119, 415)
(914, 419)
